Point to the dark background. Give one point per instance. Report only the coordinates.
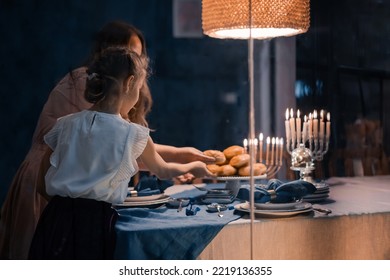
(348, 42)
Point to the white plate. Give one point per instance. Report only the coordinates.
(301, 208)
(276, 206)
(314, 195)
(240, 178)
(144, 198)
(315, 199)
(162, 200)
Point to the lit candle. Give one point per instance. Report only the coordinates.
(298, 121)
(292, 128)
(255, 142)
(267, 151)
(315, 125)
(272, 150)
(327, 126)
(261, 147)
(287, 125)
(322, 125)
(310, 126)
(246, 145)
(277, 150)
(304, 130)
(281, 151)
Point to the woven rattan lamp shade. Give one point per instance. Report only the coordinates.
(270, 18)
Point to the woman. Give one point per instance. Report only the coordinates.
(23, 204)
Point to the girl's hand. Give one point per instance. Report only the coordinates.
(200, 170)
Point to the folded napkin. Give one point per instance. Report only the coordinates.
(149, 185)
(261, 195)
(290, 191)
(284, 192)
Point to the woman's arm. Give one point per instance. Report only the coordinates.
(45, 164)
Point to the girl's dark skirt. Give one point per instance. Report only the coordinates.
(75, 229)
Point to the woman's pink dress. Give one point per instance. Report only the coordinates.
(23, 205)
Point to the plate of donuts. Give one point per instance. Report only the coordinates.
(233, 163)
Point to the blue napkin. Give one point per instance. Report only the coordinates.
(290, 191)
(149, 185)
(260, 195)
(284, 192)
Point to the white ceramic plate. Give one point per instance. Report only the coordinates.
(301, 208)
(155, 202)
(314, 195)
(315, 199)
(240, 178)
(144, 198)
(276, 206)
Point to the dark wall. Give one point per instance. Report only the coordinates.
(42, 40)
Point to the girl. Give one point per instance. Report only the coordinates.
(94, 156)
(23, 205)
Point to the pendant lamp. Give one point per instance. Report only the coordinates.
(229, 19)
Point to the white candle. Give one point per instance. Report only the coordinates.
(267, 151)
(246, 145)
(287, 125)
(281, 151)
(292, 128)
(304, 130)
(255, 142)
(328, 126)
(315, 125)
(261, 147)
(310, 126)
(298, 122)
(272, 150)
(277, 150)
(322, 125)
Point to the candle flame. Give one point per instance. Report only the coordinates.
(315, 114)
(287, 114)
(268, 140)
(305, 118)
(261, 136)
(322, 114)
(277, 141)
(281, 141)
(273, 140)
(245, 142)
(328, 116)
(255, 141)
(298, 113)
(291, 113)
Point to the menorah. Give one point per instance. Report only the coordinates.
(273, 158)
(308, 142)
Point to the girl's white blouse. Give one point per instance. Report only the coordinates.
(94, 156)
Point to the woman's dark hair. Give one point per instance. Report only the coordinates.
(117, 34)
(107, 71)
